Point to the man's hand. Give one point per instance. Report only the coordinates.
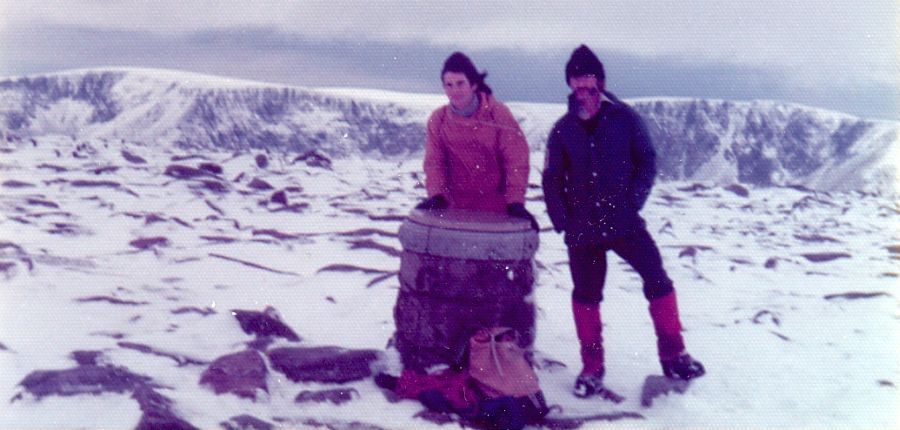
(518, 210)
(436, 202)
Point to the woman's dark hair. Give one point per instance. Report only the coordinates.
(458, 62)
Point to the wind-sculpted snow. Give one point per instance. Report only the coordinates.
(144, 298)
(758, 143)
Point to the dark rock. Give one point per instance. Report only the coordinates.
(275, 233)
(314, 159)
(856, 295)
(371, 244)
(89, 183)
(766, 314)
(246, 422)
(193, 309)
(279, 197)
(44, 203)
(188, 157)
(16, 184)
(55, 168)
(296, 208)
(86, 358)
(211, 168)
(345, 268)
(823, 257)
(215, 186)
(241, 374)
(106, 169)
(152, 218)
(7, 268)
(688, 251)
(259, 184)
(265, 323)
(738, 189)
(326, 364)
(392, 218)
(815, 238)
(218, 239)
(149, 242)
(799, 187)
(132, 158)
(66, 229)
(369, 232)
(694, 188)
(180, 359)
(808, 202)
(332, 424)
(261, 343)
(157, 412)
(90, 379)
(214, 207)
(262, 161)
(178, 171)
(771, 263)
(336, 396)
(110, 300)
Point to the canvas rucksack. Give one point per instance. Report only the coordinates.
(510, 396)
(494, 388)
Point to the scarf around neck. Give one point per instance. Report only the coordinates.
(468, 110)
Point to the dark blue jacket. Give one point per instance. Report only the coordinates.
(595, 185)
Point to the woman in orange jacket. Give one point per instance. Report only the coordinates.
(476, 156)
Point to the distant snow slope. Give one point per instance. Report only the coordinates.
(759, 142)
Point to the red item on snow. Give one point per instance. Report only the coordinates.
(454, 386)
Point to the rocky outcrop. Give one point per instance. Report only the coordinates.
(264, 324)
(241, 373)
(325, 364)
(91, 377)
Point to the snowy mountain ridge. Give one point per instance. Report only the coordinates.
(758, 142)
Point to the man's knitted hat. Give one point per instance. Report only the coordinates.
(584, 62)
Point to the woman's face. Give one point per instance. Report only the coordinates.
(458, 89)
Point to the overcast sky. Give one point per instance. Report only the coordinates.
(837, 54)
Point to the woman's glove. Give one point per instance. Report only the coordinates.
(436, 202)
(518, 210)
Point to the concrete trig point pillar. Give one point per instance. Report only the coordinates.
(461, 271)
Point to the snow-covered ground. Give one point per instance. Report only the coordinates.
(788, 296)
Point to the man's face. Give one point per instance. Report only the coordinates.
(458, 89)
(587, 90)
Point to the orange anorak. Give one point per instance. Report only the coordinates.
(478, 162)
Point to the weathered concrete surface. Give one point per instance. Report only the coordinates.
(460, 272)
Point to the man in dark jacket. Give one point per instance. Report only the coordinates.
(599, 169)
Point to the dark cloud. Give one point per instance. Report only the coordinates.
(268, 55)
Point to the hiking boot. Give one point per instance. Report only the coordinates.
(682, 367)
(592, 385)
